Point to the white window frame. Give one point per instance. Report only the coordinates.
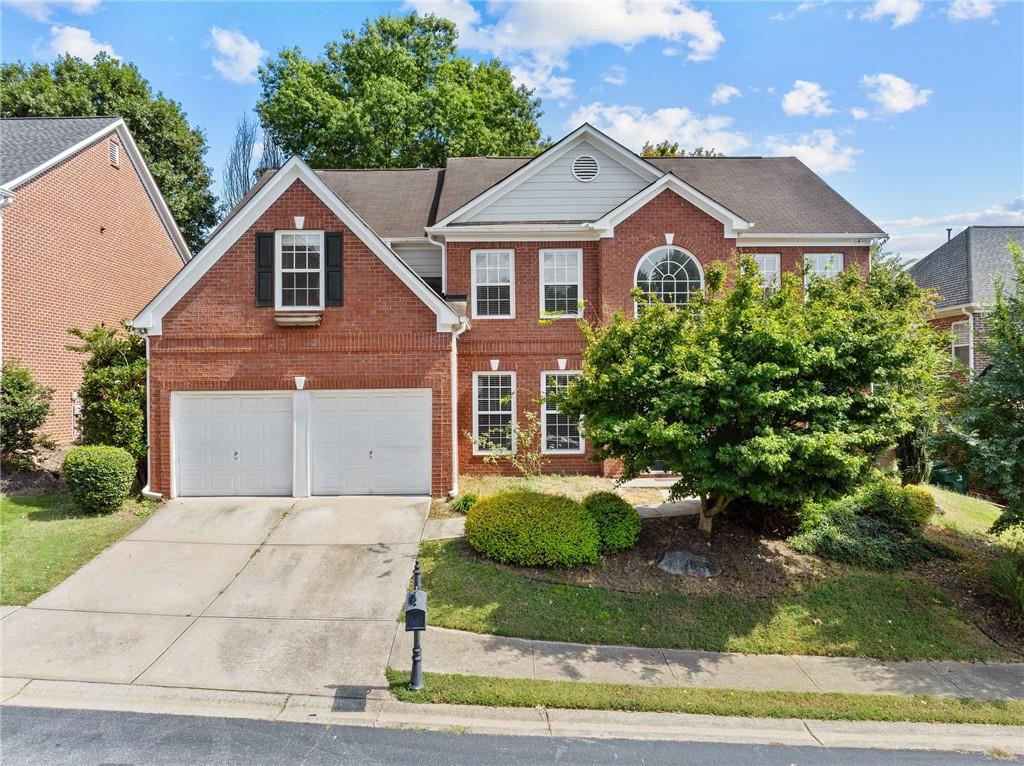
(279, 281)
(578, 252)
(476, 410)
(645, 256)
(953, 346)
(777, 274)
(512, 283)
(544, 420)
(809, 274)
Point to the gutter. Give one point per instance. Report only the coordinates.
(456, 332)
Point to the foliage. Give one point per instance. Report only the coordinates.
(617, 521)
(464, 502)
(668, 148)
(983, 434)
(764, 395)
(1007, 575)
(242, 168)
(99, 478)
(397, 94)
(24, 407)
(527, 458)
(172, 149)
(532, 529)
(912, 458)
(113, 389)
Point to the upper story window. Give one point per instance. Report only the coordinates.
(493, 282)
(827, 265)
(670, 274)
(561, 434)
(494, 406)
(962, 342)
(561, 283)
(299, 264)
(770, 265)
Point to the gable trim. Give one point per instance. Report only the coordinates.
(545, 158)
(150, 318)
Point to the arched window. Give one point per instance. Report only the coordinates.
(670, 274)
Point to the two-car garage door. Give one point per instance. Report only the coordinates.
(334, 442)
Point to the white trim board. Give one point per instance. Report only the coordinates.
(150, 318)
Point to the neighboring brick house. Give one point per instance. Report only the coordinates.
(349, 331)
(961, 271)
(86, 239)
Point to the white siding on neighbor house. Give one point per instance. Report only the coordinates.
(554, 194)
(424, 259)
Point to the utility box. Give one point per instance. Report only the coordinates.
(416, 610)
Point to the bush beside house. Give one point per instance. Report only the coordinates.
(617, 521)
(24, 407)
(99, 477)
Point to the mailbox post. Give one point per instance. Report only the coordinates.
(416, 621)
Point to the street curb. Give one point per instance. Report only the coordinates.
(381, 712)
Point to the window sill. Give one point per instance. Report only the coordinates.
(298, 318)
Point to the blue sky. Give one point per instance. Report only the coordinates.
(913, 110)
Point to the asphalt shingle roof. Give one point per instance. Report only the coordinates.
(961, 270)
(28, 142)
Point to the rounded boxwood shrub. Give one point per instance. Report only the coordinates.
(533, 529)
(618, 523)
(99, 478)
(907, 507)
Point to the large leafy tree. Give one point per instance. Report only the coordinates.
(397, 94)
(984, 431)
(758, 395)
(173, 150)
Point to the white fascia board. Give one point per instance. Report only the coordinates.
(521, 232)
(820, 239)
(584, 132)
(961, 309)
(733, 223)
(151, 316)
(6, 197)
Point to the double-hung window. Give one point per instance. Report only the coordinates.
(962, 342)
(493, 276)
(561, 433)
(770, 266)
(494, 407)
(299, 263)
(826, 265)
(561, 283)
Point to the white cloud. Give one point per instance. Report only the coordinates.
(894, 94)
(671, 50)
(965, 10)
(632, 126)
(724, 93)
(237, 56)
(538, 74)
(918, 236)
(41, 10)
(77, 42)
(859, 114)
(819, 150)
(616, 75)
(806, 98)
(536, 38)
(902, 12)
(808, 4)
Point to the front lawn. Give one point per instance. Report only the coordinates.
(969, 515)
(844, 612)
(43, 540)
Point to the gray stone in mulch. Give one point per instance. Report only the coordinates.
(689, 564)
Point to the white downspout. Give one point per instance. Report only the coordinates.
(444, 265)
(456, 332)
(146, 492)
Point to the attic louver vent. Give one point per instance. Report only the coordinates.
(585, 168)
(114, 150)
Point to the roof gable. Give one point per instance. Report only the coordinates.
(245, 216)
(961, 270)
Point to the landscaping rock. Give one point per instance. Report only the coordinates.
(689, 564)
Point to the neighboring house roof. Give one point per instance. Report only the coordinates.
(961, 270)
(29, 146)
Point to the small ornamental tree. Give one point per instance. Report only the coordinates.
(24, 407)
(984, 431)
(764, 395)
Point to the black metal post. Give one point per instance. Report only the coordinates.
(416, 575)
(416, 679)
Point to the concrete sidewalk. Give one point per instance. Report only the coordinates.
(454, 651)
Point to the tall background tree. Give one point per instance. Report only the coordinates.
(396, 94)
(668, 148)
(173, 149)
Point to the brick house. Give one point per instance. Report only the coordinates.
(359, 331)
(961, 271)
(86, 238)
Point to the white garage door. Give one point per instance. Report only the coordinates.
(233, 444)
(370, 442)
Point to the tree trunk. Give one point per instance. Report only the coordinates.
(704, 522)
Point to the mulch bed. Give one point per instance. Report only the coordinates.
(29, 482)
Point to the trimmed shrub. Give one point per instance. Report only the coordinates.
(99, 477)
(1007, 575)
(618, 523)
(907, 507)
(24, 407)
(464, 502)
(533, 529)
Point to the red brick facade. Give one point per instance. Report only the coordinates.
(82, 244)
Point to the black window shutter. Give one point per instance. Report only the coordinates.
(333, 271)
(265, 269)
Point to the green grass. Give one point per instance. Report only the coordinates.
(970, 515)
(43, 540)
(506, 692)
(888, 616)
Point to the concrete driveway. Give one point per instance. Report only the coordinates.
(248, 594)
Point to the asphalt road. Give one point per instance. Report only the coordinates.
(52, 737)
